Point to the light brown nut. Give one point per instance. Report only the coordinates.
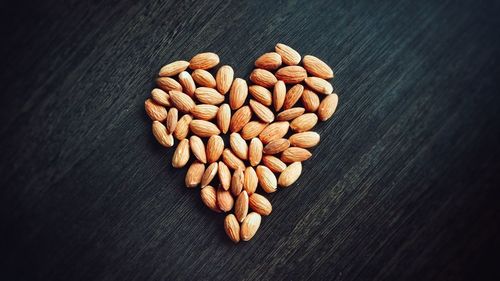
(238, 146)
(215, 146)
(304, 139)
(267, 179)
(274, 131)
(161, 134)
(276, 146)
(295, 154)
(225, 200)
(187, 83)
(269, 61)
(203, 78)
(194, 174)
(310, 100)
(304, 122)
(204, 61)
(255, 151)
(231, 160)
(198, 148)
(279, 95)
(224, 176)
(240, 118)
(181, 154)
(208, 195)
(208, 96)
(232, 228)
(204, 111)
(292, 96)
(224, 79)
(319, 85)
(249, 226)
(241, 206)
(168, 84)
(182, 128)
(273, 163)
(174, 68)
(289, 114)
(155, 111)
(291, 74)
(181, 101)
(203, 128)
(238, 93)
(172, 118)
(250, 181)
(252, 129)
(260, 204)
(288, 55)
(290, 174)
(237, 181)
(317, 67)
(209, 174)
(261, 111)
(327, 107)
(224, 117)
(261, 94)
(263, 78)
(160, 97)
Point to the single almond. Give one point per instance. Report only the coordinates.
(252, 129)
(273, 163)
(174, 68)
(279, 95)
(304, 139)
(232, 228)
(327, 107)
(255, 151)
(288, 55)
(269, 61)
(203, 128)
(225, 200)
(187, 83)
(168, 84)
(172, 119)
(155, 111)
(208, 195)
(276, 146)
(295, 154)
(161, 134)
(237, 181)
(209, 174)
(224, 175)
(261, 94)
(224, 117)
(204, 111)
(261, 111)
(290, 114)
(181, 154)
(194, 174)
(198, 148)
(241, 206)
(204, 78)
(317, 67)
(249, 226)
(260, 204)
(250, 181)
(182, 128)
(208, 96)
(215, 146)
(319, 85)
(160, 97)
(238, 93)
(238, 146)
(231, 160)
(310, 100)
(224, 79)
(290, 174)
(204, 61)
(304, 122)
(267, 179)
(181, 101)
(263, 78)
(292, 96)
(291, 74)
(240, 118)
(274, 131)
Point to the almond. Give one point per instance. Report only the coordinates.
(304, 122)
(204, 78)
(273, 163)
(290, 174)
(204, 111)
(290, 114)
(225, 201)
(292, 96)
(310, 100)
(181, 101)
(232, 228)
(249, 226)
(276, 146)
(224, 176)
(168, 84)
(255, 151)
(238, 93)
(263, 78)
(155, 111)
(187, 83)
(231, 160)
(215, 146)
(274, 131)
(291, 74)
(317, 67)
(198, 148)
(319, 85)
(237, 182)
(174, 68)
(224, 79)
(279, 94)
(208, 96)
(160, 97)
(260, 204)
(269, 61)
(252, 129)
(241, 206)
(172, 118)
(161, 134)
(204, 61)
(208, 195)
(295, 154)
(181, 154)
(182, 128)
(261, 94)
(305, 139)
(288, 55)
(209, 174)
(239, 146)
(194, 174)
(261, 111)
(327, 107)
(224, 117)
(250, 181)
(203, 128)
(240, 118)
(267, 179)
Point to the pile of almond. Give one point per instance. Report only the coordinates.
(270, 131)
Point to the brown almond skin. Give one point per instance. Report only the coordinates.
(268, 61)
(304, 139)
(161, 134)
(237, 181)
(261, 111)
(292, 96)
(224, 79)
(260, 204)
(187, 83)
(208, 96)
(160, 97)
(249, 226)
(231, 160)
(288, 55)
(194, 174)
(208, 195)
(204, 61)
(238, 146)
(279, 95)
(317, 67)
(198, 148)
(250, 181)
(241, 206)
(261, 94)
(203, 128)
(291, 74)
(274, 131)
(252, 129)
(155, 111)
(181, 101)
(267, 179)
(310, 100)
(273, 163)
(232, 228)
(290, 114)
(263, 78)
(209, 174)
(215, 146)
(240, 118)
(174, 68)
(182, 128)
(327, 107)
(295, 154)
(172, 118)
(224, 175)
(168, 84)
(238, 93)
(225, 200)
(304, 122)
(181, 154)
(276, 146)
(319, 85)
(224, 117)
(205, 111)
(290, 174)
(255, 151)
(204, 78)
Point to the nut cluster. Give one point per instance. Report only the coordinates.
(284, 96)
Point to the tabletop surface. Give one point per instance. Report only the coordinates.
(404, 184)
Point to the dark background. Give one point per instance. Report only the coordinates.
(404, 185)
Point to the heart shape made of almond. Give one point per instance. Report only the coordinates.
(270, 133)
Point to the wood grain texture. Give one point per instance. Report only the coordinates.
(404, 184)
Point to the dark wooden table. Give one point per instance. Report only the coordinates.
(404, 185)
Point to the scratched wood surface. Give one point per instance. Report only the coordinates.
(404, 184)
